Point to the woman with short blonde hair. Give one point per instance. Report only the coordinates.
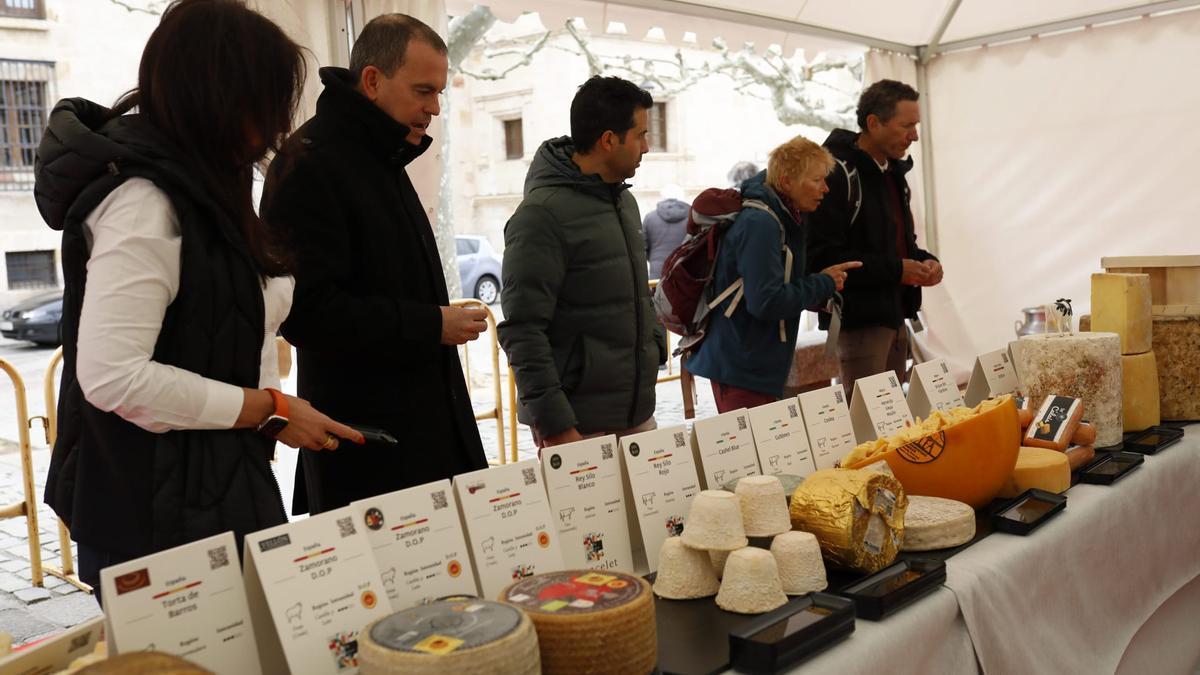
(749, 346)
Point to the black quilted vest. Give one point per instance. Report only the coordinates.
(118, 487)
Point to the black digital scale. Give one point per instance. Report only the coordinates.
(1152, 440)
(894, 587)
(1029, 511)
(781, 638)
(1111, 468)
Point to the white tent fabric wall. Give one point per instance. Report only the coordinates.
(1052, 153)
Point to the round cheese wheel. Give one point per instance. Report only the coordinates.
(589, 621)
(471, 636)
(145, 663)
(931, 523)
(1040, 468)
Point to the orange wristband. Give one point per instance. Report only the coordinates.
(281, 406)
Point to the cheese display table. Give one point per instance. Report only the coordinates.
(1118, 571)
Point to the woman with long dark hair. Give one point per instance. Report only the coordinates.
(174, 289)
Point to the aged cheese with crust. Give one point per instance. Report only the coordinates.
(1086, 366)
(931, 523)
(1139, 391)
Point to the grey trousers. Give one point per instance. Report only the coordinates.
(868, 351)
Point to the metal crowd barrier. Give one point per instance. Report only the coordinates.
(497, 411)
(50, 426)
(26, 508)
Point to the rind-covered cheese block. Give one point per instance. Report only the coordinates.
(1121, 305)
(589, 621)
(1177, 352)
(714, 522)
(470, 635)
(751, 584)
(1086, 366)
(764, 506)
(1139, 391)
(1038, 468)
(932, 523)
(684, 573)
(857, 516)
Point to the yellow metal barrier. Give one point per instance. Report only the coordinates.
(27, 507)
(50, 426)
(497, 412)
(670, 375)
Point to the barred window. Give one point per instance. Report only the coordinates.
(31, 269)
(23, 9)
(25, 98)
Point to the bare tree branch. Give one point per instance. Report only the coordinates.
(153, 8)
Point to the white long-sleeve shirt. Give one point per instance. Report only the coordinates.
(133, 275)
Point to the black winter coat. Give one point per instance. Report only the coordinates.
(119, 488)
(365, 317)
(873, 295)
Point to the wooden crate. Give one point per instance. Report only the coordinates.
(1174, 279)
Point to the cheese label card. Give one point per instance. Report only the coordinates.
(992, 376)
(724, 449)
(878, 408)
(57, 653)
(662, 480)
(827, 420)
(509, 526)
(932, 387)
(587, 501)
(780, 438)
(418, 543)
(1051, 422)
(312, 586)
(188, 601)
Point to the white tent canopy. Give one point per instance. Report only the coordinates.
(1054, 133)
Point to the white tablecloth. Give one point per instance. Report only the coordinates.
(1117, 571)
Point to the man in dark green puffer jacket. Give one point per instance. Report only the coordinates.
(579, 329)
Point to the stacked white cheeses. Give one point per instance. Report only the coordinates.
(1121, 304)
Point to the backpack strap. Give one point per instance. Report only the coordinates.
(788, 258)
(853, 189)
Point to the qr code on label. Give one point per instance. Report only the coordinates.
(892, 381)
(945, 369)
(606, 451)
(741, 420)
(530, 476)
(439, 500)
(218, 557)
(679, 442)
(346, 526)
(838, 395)
(792, 411)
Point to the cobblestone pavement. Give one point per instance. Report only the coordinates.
(29, 613)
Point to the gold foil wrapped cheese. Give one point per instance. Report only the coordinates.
(857, 516)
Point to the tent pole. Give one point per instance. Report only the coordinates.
(927, 173)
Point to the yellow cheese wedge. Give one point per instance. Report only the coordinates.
(1139, 391)
(1038, 468)
(1121, 305)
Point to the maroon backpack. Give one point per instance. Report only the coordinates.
(684, 297)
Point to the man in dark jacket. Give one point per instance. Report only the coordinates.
(665, 228)
(580, 331)
(371, 322)
(867, 217)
